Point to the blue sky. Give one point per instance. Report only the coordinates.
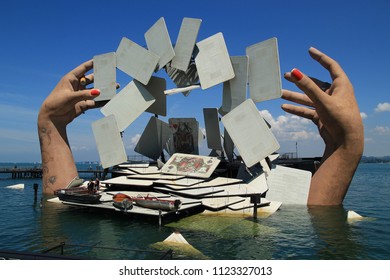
(43, 40)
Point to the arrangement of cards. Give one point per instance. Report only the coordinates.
(195, 64)
(191, 64)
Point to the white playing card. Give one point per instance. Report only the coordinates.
(185, 43)
(264, 71)
(234, 90)
(104, 70)
(213, 134)
(156, 88)
(109, 142)
(213, 61)
(288, 185)
(136, 61)
(153, 139)
(128, 104)
(158, 41)
(250, 133)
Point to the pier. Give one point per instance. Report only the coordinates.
(20, 173)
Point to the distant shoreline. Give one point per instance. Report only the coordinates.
(385, 159)
(365, 159)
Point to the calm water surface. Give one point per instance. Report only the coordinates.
(293, 232)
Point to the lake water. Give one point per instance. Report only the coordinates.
(293, 232)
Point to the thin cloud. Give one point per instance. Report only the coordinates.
(382, 130)
(383, 107)
(134, 141)
(291, 127)
(79, 148)
(30, 136)
(14, 112)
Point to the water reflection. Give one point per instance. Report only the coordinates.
(228, 237)
(128, 237)
(336, 238)
(293, 232)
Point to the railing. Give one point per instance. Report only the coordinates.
(49, 254)
(161, 254)
(17, 173)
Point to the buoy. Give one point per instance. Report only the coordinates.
(180, 246)
(176, 237)
(16, 187)
(352, 215)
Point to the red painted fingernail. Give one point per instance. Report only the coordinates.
(95, 92)
(297, 74)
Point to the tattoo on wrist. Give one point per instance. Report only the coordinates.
(49, 182)
(52, 179)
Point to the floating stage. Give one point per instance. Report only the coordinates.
(202, 200)
(188, 206)
(195, 192)
(192, 184)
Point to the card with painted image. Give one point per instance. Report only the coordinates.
(213, 61)
(185, 43)
(185, 135)
(191, 165)
(128, 104)
(109, 142)
(158, 41)
(135, 60)
(250, 133)
(104, 70)
(264, 71)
